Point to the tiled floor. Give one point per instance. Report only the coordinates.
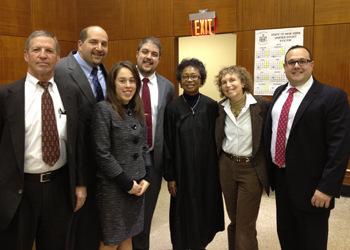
(339, 226)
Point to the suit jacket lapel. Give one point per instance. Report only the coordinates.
(16, 118)
(309, 97)
(161, 90)
(80, 78)
(256, 126)
(66, 98)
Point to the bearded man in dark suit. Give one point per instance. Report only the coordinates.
(161, 93)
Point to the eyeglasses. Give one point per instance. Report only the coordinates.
(193, 77)
(301, 62)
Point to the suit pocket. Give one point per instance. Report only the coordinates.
(62, 126)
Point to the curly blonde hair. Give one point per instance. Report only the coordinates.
(240, 72)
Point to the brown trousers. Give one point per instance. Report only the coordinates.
(242, 191)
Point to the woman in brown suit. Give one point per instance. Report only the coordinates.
(240, 146)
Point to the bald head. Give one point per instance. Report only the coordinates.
(93, 45)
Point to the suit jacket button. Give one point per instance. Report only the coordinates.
(20, 191)
(135, 156)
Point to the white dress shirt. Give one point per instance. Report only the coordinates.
(298, 97)
(238, 140)
(33, 162)
(153, 89)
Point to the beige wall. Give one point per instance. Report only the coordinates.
(215, 52)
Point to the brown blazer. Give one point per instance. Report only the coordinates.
(258, 114)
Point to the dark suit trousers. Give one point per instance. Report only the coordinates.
(44, 214)
(141, 241)
(298, 229)
(85, 233)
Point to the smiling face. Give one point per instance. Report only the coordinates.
(42, 57)
(298, 75)
(191, 87)
(125, 85)
(95, 47)
(232, 87)
(148, 59)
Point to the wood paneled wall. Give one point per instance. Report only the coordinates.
(271, 14)
(327, 29)
(19, 18)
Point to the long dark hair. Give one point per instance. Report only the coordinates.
(135, 104)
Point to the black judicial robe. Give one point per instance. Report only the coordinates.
(196, 213)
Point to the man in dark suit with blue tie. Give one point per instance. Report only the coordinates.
(161, 92)
(84, 69)
(307, 137)
(41, 183)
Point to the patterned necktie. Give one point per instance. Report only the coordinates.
(280, 154)
(97, 85)
(49, 133)
(146, 98)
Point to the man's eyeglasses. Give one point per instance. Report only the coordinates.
(193, 77)
(301, 62)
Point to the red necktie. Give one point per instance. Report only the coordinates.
(49, 133)
(280, 153)
(146, 98)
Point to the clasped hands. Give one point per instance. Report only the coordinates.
(139, 188)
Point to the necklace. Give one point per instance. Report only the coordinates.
(199, 96)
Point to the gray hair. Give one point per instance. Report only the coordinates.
(42, 33)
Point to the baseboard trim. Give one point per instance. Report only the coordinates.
(345, 191)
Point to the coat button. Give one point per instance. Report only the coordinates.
(134, 127)
(20, 191)
(136, 140)
(135, 156)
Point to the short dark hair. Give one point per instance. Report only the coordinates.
(42, 33)
(153, 40)
(111, 96)
(298, 47)
(194, 62)
(240, 72)
(83, 34)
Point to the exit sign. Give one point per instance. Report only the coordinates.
(203, 23)
(203, 27)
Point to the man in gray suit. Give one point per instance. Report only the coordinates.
(84, 69)
(161, 93)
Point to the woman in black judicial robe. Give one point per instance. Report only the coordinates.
(196, 209)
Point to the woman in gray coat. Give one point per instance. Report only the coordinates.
(121, 152)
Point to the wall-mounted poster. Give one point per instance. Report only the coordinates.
(270, 48)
